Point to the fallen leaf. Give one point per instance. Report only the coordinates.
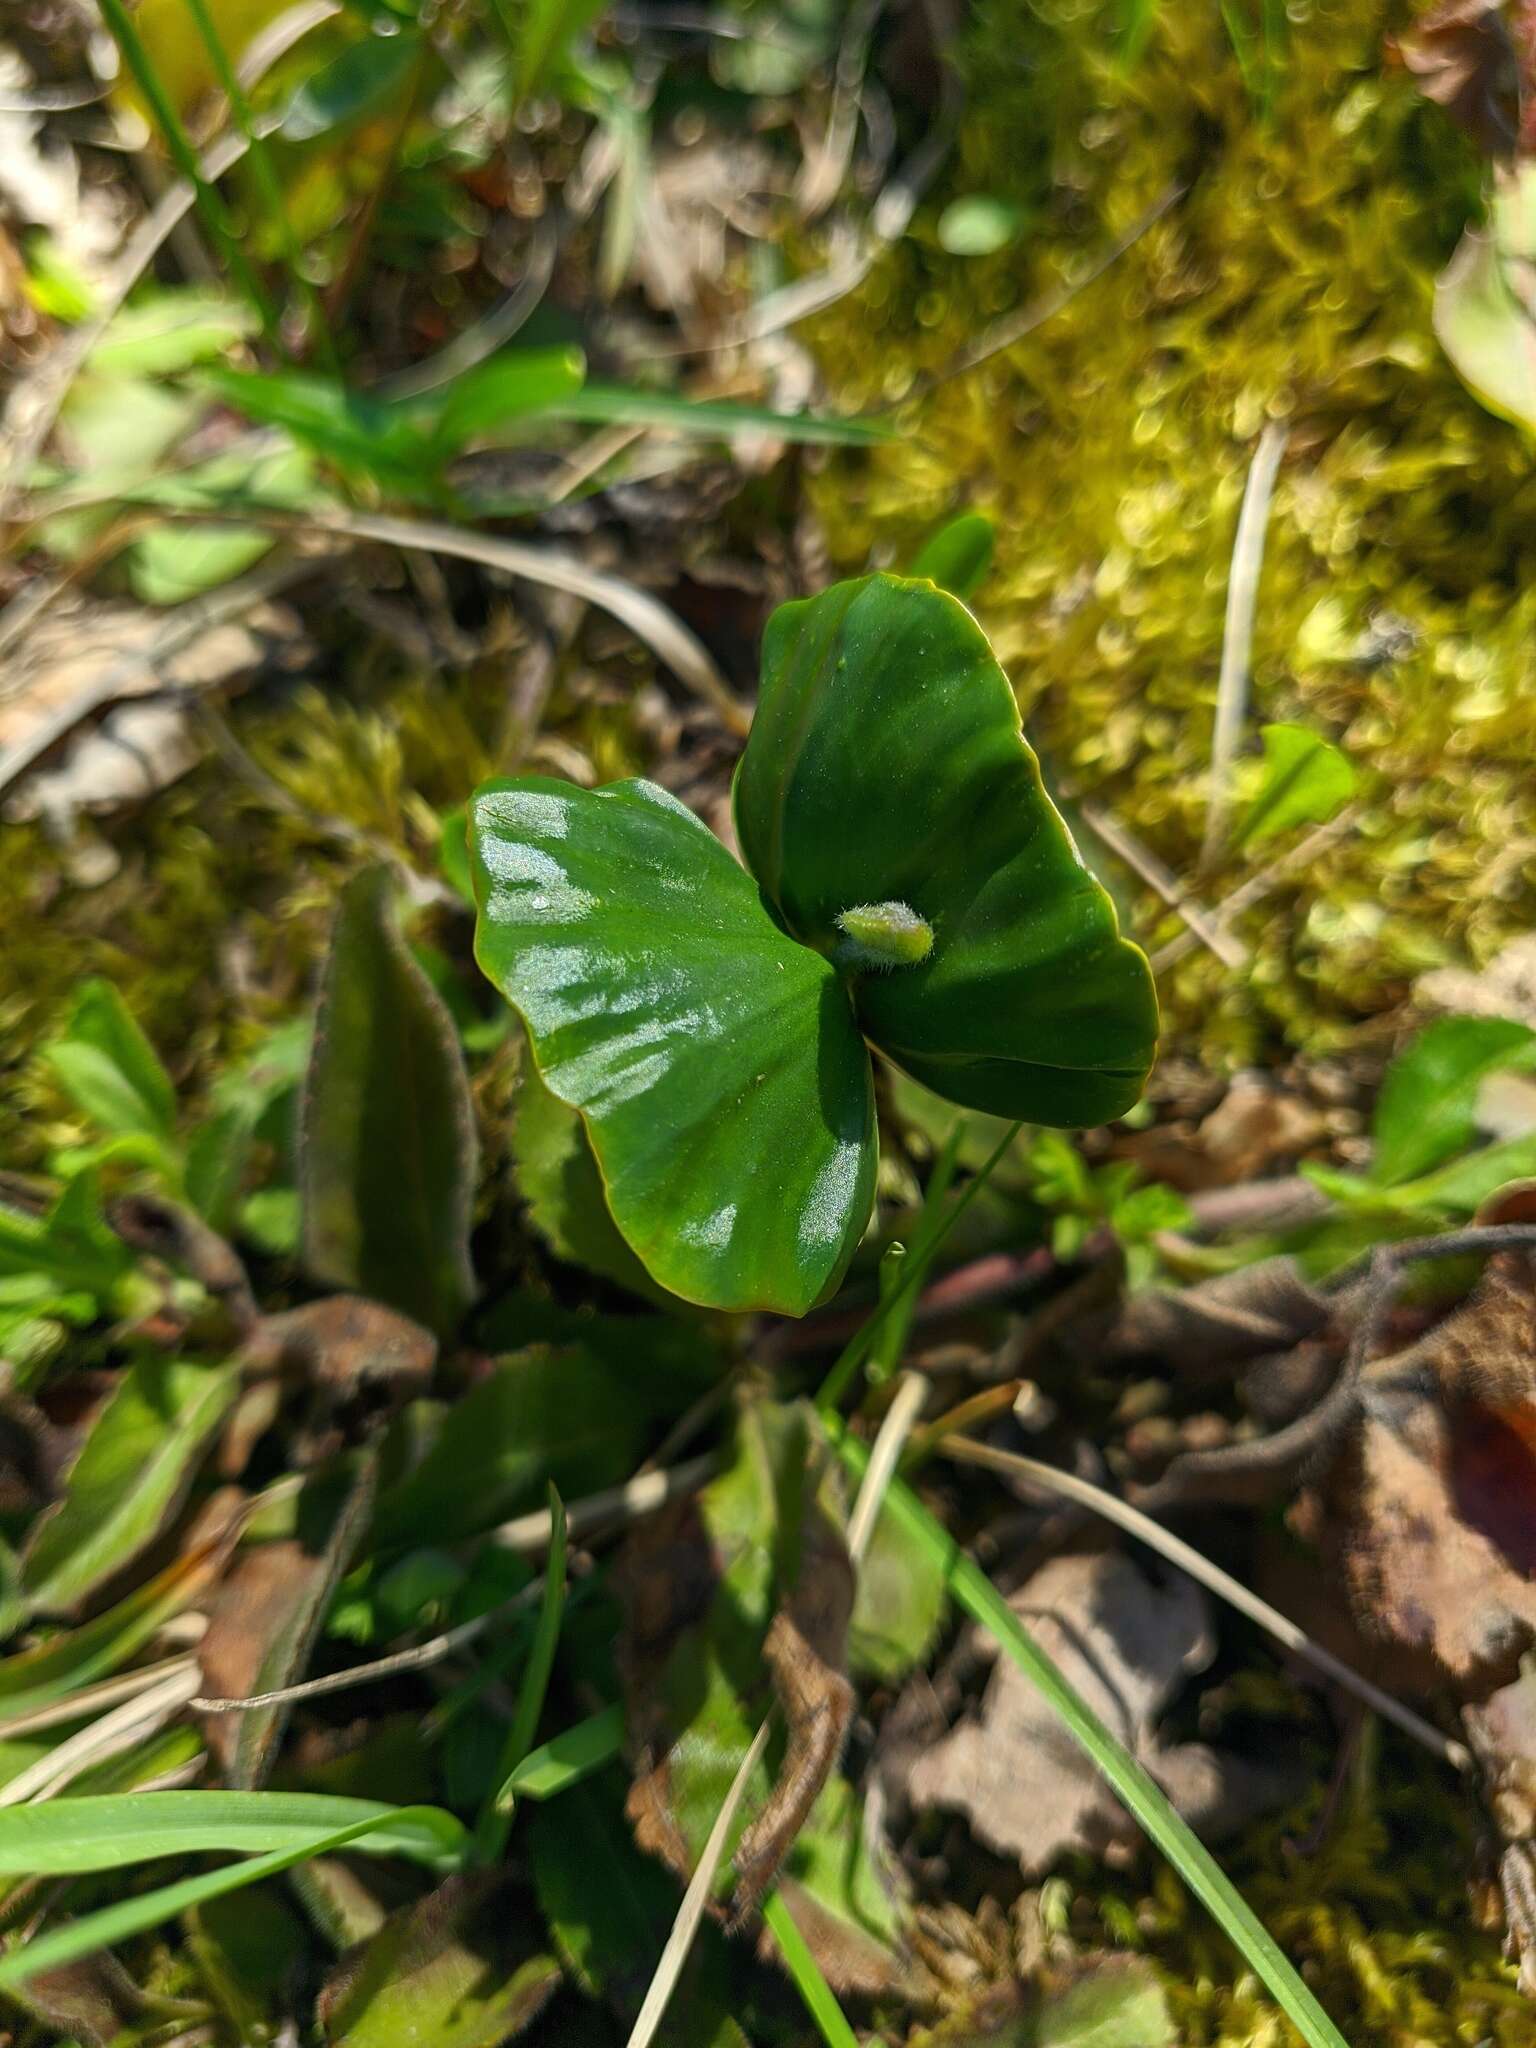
(1206, 1329)
(1461, 56)
(734, 1602)
(1127, 1644)
(267, 1614)
(1428, 1506)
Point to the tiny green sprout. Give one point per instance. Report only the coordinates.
(712, 1020)
(884, 935)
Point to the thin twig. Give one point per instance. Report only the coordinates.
(419, 1658)
(1162, 881)
(884, 1457)
(1259, 885)
(616, 1504)
(108, 1736)
(646, 616)
(529, 1532)
(1237, 638)
(695, 1899)
(1211, 1576)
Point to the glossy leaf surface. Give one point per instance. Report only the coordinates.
(717, 1063)
(887, 765)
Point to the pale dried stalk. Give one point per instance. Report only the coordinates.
(615, 1506)
(1237, 639)
(107, 1737)
(883, 1460)
(1211, 1576)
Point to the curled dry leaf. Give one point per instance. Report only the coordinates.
(1127, 1644)
(736, 1601)
(1461, 55)
(1428, 1504)
(1206, 1329)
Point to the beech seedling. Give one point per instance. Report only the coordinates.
(907, 886)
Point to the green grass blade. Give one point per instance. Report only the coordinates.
(209, 203)
(111, 1830)
(496, 1820)
(567, 1758)
(859, 1346)
(263, 172)
(820, 1999)
(974, 1591)
(132, 1916)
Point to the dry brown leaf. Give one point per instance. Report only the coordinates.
(1205, 1330)
(1428, 1506)
(1127, 1644)
(1461, 56)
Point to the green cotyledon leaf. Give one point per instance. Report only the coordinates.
(717, 1064)
(887, 772)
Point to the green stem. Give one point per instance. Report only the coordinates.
(902, 1297)
(974, 1592)
(265, 174)
(210, 204)
(820, 1999)
(495, 1822)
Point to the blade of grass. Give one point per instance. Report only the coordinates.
(975, 1593)
(263, 171)
(1211, 1576)
(567, 1758)
(820, 1999)
(210, 204)
(495, 1822)
(132, 1916)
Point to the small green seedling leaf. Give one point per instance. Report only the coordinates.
(1427, 1109)
(505, 389)
(699, 1042)
(1305, 780)
(979, 224)
(109, 1069)
(388, 1154)
(131, 1476)
(958, 556)
(909, 881)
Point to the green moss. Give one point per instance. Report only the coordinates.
(1111, 446)
(1372, 1902)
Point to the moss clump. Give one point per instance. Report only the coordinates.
(1293, 281)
